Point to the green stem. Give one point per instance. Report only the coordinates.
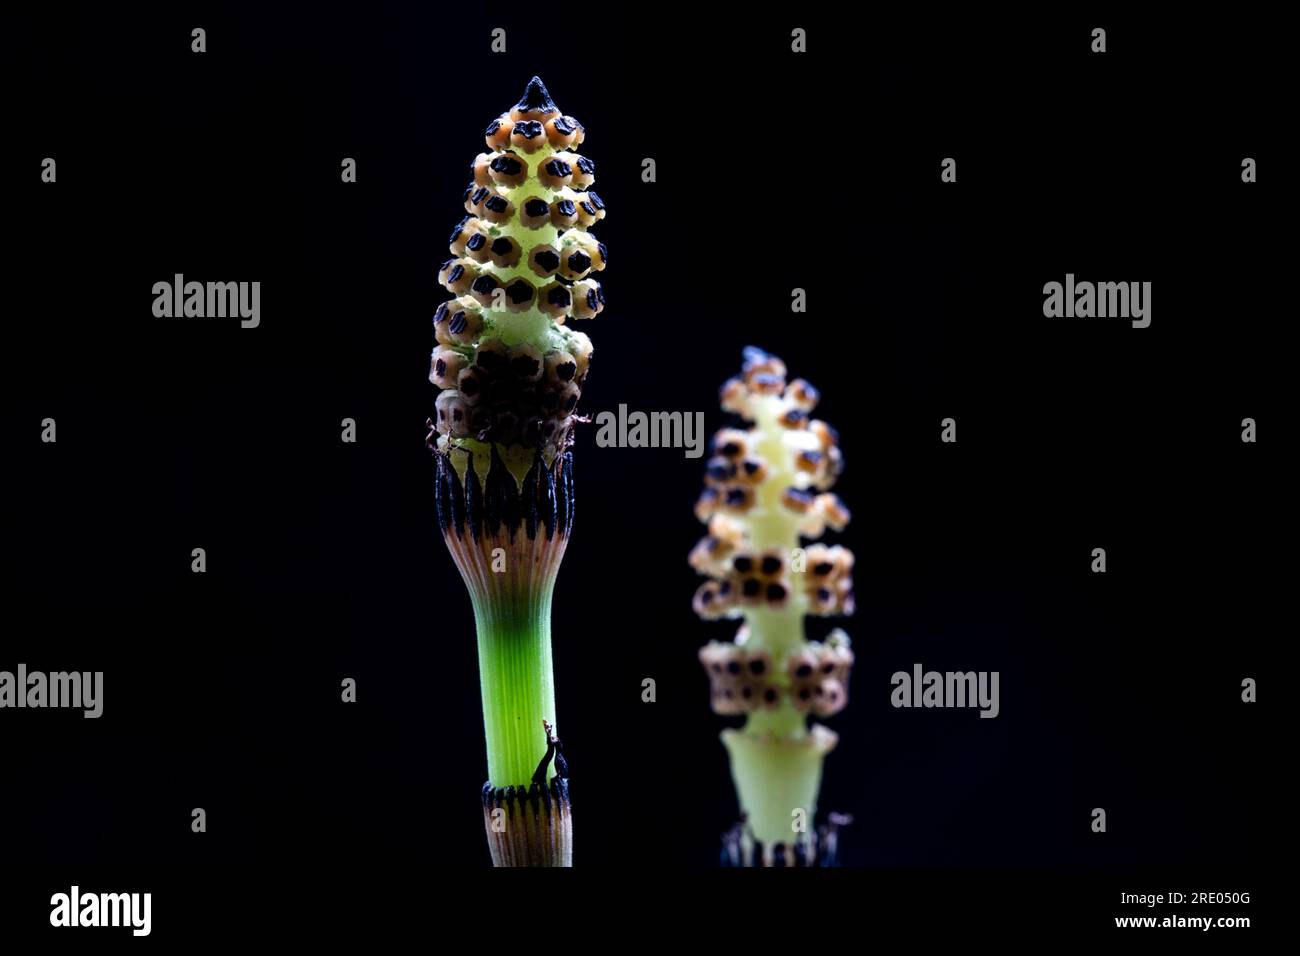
(777, 780)
(517, 680)
(775, 764)
(780, 633)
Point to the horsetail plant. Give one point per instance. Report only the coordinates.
(511, 373)
(766, 488)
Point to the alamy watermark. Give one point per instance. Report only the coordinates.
(922, 688)
(626, 429)
(72, 689)
(208, 300)
(1099, 300)
(75, 908)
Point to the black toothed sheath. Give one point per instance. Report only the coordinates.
(511, 373)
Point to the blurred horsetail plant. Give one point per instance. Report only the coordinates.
(511, 373)
(766, 488)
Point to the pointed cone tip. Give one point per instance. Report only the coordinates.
(536, 97)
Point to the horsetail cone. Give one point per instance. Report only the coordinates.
(510, 370)
(767, 489)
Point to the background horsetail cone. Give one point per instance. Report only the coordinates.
(767, 491)
(510, 372)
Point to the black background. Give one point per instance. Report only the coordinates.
(774, 170)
